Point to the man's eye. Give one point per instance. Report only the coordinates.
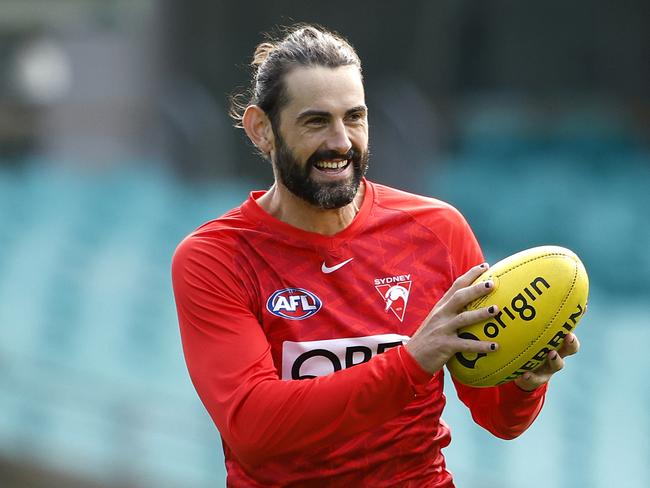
(317, 121)
(355, 117)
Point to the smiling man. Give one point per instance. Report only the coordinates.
(316, 317)
(318, 145)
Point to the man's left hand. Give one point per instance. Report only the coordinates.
(554, 363)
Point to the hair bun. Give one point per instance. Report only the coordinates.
(262, 51)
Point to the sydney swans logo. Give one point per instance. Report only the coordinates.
(395, 292)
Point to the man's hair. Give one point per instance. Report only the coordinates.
(302, 45)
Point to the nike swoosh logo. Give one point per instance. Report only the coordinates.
(327, 269)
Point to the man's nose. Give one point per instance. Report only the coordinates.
(339, 139)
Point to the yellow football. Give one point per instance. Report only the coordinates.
(542, 295)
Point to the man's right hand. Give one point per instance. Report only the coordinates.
(436, 340)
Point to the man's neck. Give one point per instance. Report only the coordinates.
(285, 206)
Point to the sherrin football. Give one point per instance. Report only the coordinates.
(542, 295)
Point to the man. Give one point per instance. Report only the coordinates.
(316, 317)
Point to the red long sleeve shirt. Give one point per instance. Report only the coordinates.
(294, 343)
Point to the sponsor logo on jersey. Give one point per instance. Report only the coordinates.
(303, 360)
(330, 269)
(293, 303)
(395, 292)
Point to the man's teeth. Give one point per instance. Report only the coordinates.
(332, 164)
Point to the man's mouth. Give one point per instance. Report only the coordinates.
(332, 166)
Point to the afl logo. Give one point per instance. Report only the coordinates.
(293, 303)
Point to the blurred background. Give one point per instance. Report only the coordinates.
(533, 118)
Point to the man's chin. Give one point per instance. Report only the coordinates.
(335, 195)
(325, 189)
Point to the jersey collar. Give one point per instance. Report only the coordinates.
(251, 210)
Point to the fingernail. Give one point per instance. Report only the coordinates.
(493, 346)
(573, 339)
(488, 284)
(484, 265)
(553, 355)
(491, 309)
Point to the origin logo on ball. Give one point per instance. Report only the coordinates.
(293, 303)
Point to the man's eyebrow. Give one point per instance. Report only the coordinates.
(359, 108)
(312, 113)
(323, 113)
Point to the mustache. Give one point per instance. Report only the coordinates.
(353, 155)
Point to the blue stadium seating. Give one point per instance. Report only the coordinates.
(93, 378)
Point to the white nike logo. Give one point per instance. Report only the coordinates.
(328, 269)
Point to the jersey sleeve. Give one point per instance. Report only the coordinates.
(505, 410)
(230, 364)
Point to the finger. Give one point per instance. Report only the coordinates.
(465, 280)
(570, 346)
(554, 362)
(470, 317)
(474, 346)
(470, 276)
(531, 381)
(550, 366)
(461, 298)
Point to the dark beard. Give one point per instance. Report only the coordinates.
(296, 177)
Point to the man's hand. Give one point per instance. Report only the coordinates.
(554, 363)
(436, 341)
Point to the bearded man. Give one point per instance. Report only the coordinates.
(316, 317)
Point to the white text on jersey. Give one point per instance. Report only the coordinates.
(302, 360)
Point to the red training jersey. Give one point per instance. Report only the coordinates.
(295, 343)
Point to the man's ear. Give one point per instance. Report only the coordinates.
(258, 129)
